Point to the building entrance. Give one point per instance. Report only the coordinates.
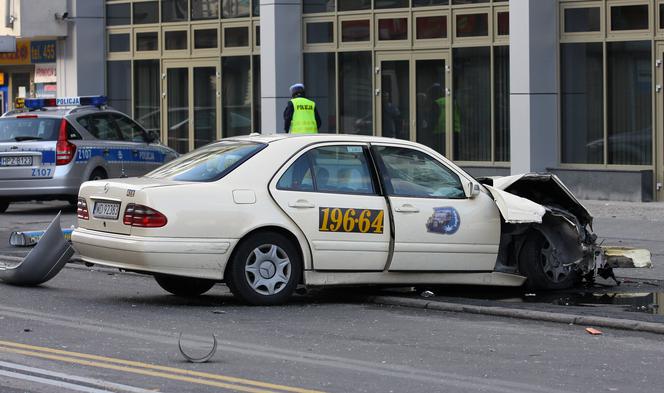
(413, 98)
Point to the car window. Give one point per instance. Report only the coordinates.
(129, 130)
(17, 129)
(408, 172)
(101, 126)
(335, 169)
(208, 163)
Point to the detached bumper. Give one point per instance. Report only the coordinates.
(189, 257)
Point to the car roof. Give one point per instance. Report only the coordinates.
(59, 112)
(317, 138)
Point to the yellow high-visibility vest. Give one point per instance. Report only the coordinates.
(304, 118)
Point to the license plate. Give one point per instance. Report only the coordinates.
(108, 210)
(16, 161)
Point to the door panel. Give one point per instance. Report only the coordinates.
(659, 133)
(436, 227)
(331, 197)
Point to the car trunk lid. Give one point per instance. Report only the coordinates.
(27, 160)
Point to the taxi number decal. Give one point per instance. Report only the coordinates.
(337, 219)
(41, 172)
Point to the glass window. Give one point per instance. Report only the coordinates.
(314, 6)
(629, 100)
(258, 36)
(341, 169)
(175, 40)
(177, 108)
(101, 126)
(14, 129)
(426, 3)
(431, 27)
(431, 103)
(256, 11)
(381, 4)
(661, 16)
(471, 110)
(461, 2)
(411, 173)
(629, 17)
(147, 94)
(129, 130)
(205, 39)
(298, 176)
(204, 9)
(320, 32)
(174, 10)
(579, 20)
(256, 84)
(208, 163)
(352, 5)
(582, 92)
(472, 25)
(355, 30)
(118, 42)
(147, 41)
(355, 93)
(501, 102)
(235, 9)
(235, 37)
(236, 108)
(503, 20)
(146, 12)
(205, 105)
(118, 85)
(118, 14)
(319, 78)
(392, 29)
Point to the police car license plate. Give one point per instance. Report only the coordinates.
(16, 161)
(108, 210)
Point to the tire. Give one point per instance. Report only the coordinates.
(540, 267)
(265, 269)
(183, 286)
(3, 206)
(98, 174)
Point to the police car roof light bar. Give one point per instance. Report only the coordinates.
(39, 103)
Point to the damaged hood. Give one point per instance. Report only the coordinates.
(544, 190)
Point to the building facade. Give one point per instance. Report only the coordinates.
(568, 86)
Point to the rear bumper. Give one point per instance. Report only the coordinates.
(65, 182)
(189, 257)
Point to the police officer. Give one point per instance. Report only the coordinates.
(301, 115)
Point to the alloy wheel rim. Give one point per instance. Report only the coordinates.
(554, 269)
(268, 269)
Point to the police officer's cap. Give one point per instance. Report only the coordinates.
(297, 88)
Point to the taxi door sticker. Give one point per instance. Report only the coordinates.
(338, 219)
(444, 220)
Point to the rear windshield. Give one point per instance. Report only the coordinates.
(208, 163)
(29, 129)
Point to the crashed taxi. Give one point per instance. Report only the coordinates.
(266, 213)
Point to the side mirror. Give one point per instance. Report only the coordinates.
(471, 189)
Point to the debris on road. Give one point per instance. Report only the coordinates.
(427, 294)
(203, 359)
(594, 332)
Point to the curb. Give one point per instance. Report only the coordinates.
(583, 320)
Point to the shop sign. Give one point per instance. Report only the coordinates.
(18, 57)
(45, 73)
(42, 52)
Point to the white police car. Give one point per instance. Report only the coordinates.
(266, 213)
(53, 145)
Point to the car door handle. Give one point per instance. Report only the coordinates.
(301, 204)
(407, 208)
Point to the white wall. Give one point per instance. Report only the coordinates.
(33, 18)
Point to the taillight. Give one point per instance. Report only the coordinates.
(64, 150)
(143, 216)
(82, 209)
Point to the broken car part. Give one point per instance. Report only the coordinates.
(30, 238)
(201, 359)
(44, 261)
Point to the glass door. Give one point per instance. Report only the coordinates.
(659, 130)
(412, 98)
(192, 103)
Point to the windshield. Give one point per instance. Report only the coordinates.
(208, 163)
(16, 129)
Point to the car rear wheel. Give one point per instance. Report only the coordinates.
(3, 206)
(542, 267)
(265, 269)
(183, 286)
(98, 174)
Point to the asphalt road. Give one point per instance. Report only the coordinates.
(88, 329)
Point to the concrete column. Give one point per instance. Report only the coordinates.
(533, 85)
(281, 58)
(81, 65)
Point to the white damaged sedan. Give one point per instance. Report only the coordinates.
(265, 213)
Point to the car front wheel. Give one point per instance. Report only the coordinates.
(542, 266)
(183, 286)
(265, 269)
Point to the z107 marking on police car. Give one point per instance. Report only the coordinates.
(337, 219)
(444, 220)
